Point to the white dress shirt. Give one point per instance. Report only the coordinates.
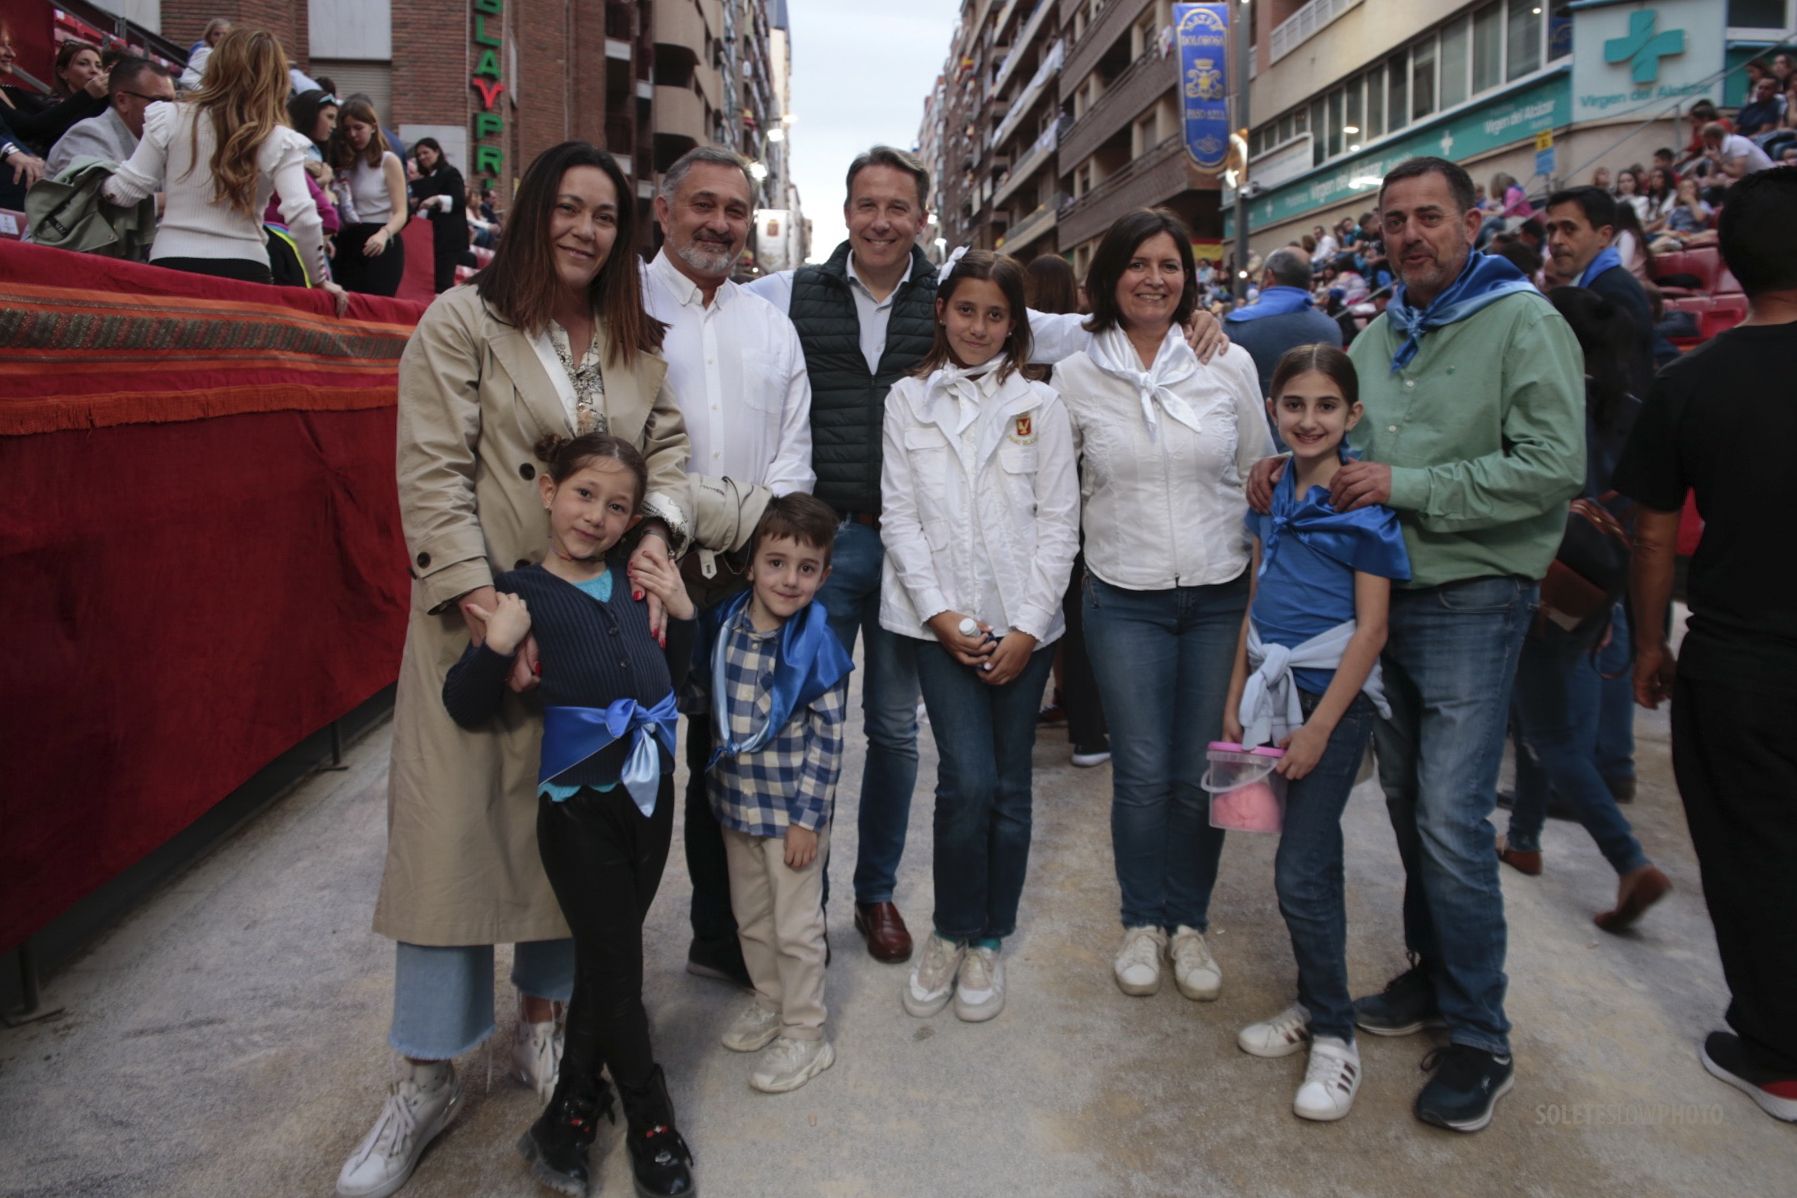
(738, 374)
(979, 515)
(1163, 504)
(873, 316)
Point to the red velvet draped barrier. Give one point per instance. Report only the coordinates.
(201, 561)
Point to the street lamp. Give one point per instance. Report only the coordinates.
(758, 171)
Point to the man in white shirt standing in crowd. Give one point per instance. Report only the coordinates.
(134, 85)
(736, 368)
(866, 318)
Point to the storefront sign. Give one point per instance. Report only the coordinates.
(1201, 32)
(1636, 60)
(488, 80)
(1546, 104)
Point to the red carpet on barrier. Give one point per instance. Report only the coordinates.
(201, 561)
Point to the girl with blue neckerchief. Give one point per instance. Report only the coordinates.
(1307, 679)
(605, 786)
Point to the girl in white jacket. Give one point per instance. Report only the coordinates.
(980, 517)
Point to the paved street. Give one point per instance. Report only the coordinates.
(228, 1038)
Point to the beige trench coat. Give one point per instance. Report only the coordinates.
(474, 398)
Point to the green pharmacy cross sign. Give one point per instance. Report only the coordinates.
(1642, 48)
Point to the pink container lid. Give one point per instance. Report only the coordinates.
(1229, 746)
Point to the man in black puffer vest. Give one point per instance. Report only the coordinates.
(865, 319)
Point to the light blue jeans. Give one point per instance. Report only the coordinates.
(443, 996)
(1162, 660)
(889, 693)
(1450, 662)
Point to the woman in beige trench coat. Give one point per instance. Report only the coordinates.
(490, 371)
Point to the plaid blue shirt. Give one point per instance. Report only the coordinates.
(793, 779)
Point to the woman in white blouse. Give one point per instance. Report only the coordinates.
(217, 156)
(1166, 442)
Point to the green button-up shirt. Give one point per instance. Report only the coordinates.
(1485, 433)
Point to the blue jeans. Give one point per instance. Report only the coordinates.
(1162, 660)
(984, 736)
(1616, 704)
(1450, 661)
(1307, 870)
(443, 997)
(889, 707)
(1556, 714)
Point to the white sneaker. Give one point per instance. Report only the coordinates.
(1138, 964)
(537, 1055)
(1330, 1080)
(753, 1029)
(791, 1063)
(1195, 971)
(979, 986)
(932, 980)
(410, 1120)
(1087, 758)
(1280, 1036)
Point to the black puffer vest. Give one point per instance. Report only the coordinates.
(848, 404)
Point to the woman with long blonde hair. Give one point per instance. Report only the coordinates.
(217, 156)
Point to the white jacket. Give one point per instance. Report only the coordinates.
(994, 513)
(1163, 507)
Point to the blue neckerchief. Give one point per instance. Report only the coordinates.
(1606, 258)
(1274, 301)
(1367, 539)
(1484, 279)
(571, 735)
(810, 662)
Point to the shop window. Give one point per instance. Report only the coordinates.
(1524, 38)
(1454, 44)
(1422, 79)
(1375, 103)
(1756, 14)
(1488, 48)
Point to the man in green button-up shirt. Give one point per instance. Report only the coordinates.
(1474, 432)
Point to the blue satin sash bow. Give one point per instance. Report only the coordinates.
(1484, 280)
(1274, 301)
(1368, 539)
(571, 735)
(1605, 260)
(811, 662)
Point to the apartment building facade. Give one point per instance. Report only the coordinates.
(1051, 119)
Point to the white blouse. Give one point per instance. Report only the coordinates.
(1163, 507)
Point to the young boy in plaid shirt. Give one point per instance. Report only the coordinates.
(774, 679)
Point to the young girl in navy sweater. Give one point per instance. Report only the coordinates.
(605, 793)
(1321, 591)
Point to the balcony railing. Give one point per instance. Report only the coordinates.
(1032, 91)
(1031, 24)
(1120, 103)
(1305, 24)
(1039, 152)
(1031, 227)
(1156, 175)
(1113, 21)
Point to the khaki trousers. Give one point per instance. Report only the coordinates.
(780, 921)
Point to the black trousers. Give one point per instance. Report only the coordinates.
(1736, 765)
(604, 859)
(356, 271)
(1079, 689)
(241, 269)
(713, 920)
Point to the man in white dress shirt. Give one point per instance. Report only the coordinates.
(738, 373)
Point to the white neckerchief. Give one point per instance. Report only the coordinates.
(1174, 363)
(968, 388)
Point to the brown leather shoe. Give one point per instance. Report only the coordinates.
(888, 939)
(1635, 893)
(1522, 862)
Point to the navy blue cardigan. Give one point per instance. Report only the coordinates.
(591, 653)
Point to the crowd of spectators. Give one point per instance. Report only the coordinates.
(89, 162)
